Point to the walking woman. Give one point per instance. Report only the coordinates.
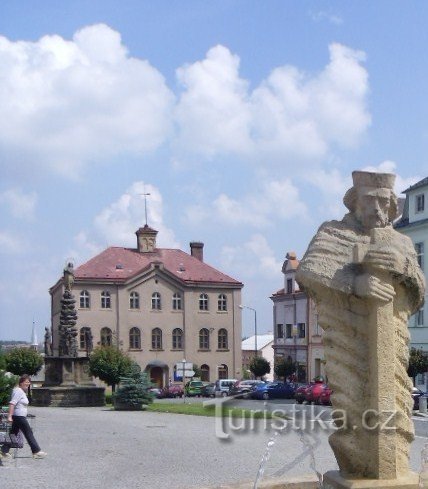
(18, 417)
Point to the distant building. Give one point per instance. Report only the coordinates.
(264, 349)
(159, 305)
(297, 335)
(414, 223)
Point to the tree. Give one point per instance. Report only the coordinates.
(418, 363)
(259, 366)
(284, 367)
(133, 391)
(110, 364)
(7, 383)
(21, 361)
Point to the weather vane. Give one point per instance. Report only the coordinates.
(145, 194)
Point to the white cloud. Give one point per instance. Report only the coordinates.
(276, 198)
(20, 204)
(254, 258)
(11, 244)
(213, 114)
(66, 104)
(322, 15)
(289, 114)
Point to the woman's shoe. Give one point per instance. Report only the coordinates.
(39, 455)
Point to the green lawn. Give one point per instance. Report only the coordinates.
(197, 409)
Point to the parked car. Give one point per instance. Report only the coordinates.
(416, 394)
(193, 388)
(300, 392)
(242, 388)
(325, 396)
(173, 390)
(222, 387)
(208, 390)
(273, 390)
(155, 391)
(313, 392)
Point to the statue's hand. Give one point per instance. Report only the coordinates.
(386, 260)
(373, 288)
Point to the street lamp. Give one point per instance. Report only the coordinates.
(255, 326)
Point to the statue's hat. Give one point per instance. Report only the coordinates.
(370, 179)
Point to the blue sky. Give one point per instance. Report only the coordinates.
(242, 119)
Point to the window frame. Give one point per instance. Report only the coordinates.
(177, 302)
(204, 339)
(134, 338)
(288, 331)
(177, 339)
(105, 299)
(84, 299)
(420, 250)
(222, 339)
(301, 330)
(156, 339)
(82, 337)
(203, 302)
(106, 332)
(419, 203)
(156, 301)
(222, 303)
(134, 300)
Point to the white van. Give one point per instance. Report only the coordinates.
(222, 387)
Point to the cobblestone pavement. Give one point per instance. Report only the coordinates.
(97, 448)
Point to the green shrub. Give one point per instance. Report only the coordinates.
(21, 361)
(7, 383)
(134, 390)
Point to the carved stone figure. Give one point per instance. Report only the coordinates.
(68, 276)
(68, 317)
(366, 281)
(89, 340)
(48, 342)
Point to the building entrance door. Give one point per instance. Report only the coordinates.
(156, 376)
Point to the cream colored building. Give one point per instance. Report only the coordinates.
(264, 349)
(297, 334)
(160, 306)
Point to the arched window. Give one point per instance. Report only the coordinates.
(156, 301)
(85, 300)
(223, 372)
(222, 302)
(105, 300)
(134, 339)
(204, 339)
(177, 339)
(205, 373)
(134, 300)
(83, 337)
(203, 302)
(156, 339)
(176, 302)
(106, 337)
(222, 339)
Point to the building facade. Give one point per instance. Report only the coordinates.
(297, 335)
(414, 223)
(159, 305)
(264, 349)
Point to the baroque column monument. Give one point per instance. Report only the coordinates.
(68, 381)
(366, 281)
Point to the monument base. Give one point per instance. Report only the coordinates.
(68, 382)
(64, 396)
(333, 480)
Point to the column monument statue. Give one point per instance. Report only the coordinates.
(366, 281)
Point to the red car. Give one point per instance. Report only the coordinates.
(325, 397)
(172, 391)
(300, 393)
(313, 393)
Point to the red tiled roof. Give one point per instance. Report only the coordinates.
(124, 263)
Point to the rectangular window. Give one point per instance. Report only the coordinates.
(289, 285)
(420, 203)
(301, 329)
(288, 330)
(280, 330)
(419, 247)
(420, 317)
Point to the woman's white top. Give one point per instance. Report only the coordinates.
(20, 400)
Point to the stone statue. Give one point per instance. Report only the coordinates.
(366, 281)
(48, 342)
(89, 340)
(68, 276)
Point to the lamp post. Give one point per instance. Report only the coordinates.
(255, 326)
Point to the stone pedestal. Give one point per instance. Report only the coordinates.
(68, 382)
(333, 480)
